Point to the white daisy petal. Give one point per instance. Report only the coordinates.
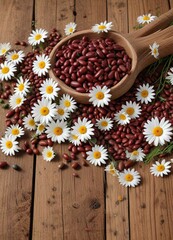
(16, 100)
(48, 154)
(154, 49)
(129, 178)
(99, 96)
(146, 18)
(132, 109)
(160, 169)
(145, 93)
(15, 57)
(74, 139)
(49, 89)
(40, 128)
(68, 102)
(122, 118)
(9, 145)
(29, 122)
(37, 36)
(22, 86)
(102, 27)
(4, 47)
(136, 155)
(104, 124)
(15, 130)
(111, 169)
(41, 65)
(70, 28)
(7, 70)
(170, 76)
(98, 155)
(62, 113)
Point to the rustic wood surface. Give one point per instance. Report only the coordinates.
(43, 203)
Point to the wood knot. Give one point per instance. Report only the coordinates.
(94, 204)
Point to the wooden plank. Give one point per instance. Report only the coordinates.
(15, 187)
(150, 203)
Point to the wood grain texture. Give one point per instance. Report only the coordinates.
(15, 187)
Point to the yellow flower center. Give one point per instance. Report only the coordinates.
(9, 144)
(71, 30)
(61, 111)
(104, 123)
(41, 127)
(58, 131)
(160, 168)
(157, 131)
(21, 87)
(3, 50)
(112, 169)
(18, 101)
(101, 27)
(130, 111)
(49, 89)
(128, 177)
(97, 154)
(135, 153)
(144, 93)
(100, 95)
(37, 37)
(146, 18)
(5, 70)
(122, 117)
(49, 154)
(82, 129)
(155, 51)
(15, 131)
(75, 137)
(67, 103)
(42, 64)
(31, 122)
(15, 56)
(44, 111)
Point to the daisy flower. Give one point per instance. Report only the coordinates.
(40, 128)
(7, 70)
(159, 169)
(98, 155)
(29, 122)
(43, 111)
(157, 132)
(22, 86)
(136, 155)
(9, 145)
(15, 57)
(49, 89)
(74, 139)
(83, 128)
(145, 93)
(111, 169)
(37, 36)
(68, 102)
(48, 154)
(58, 131)
(4, 47)
(41, 65)
(15, 130)
(102, 27)
(104, 124)
(170, 76)
(16, 100)
(146, 18)
(70, 28)
(129, 178)
(122, 118)
(62, 113)
(154, 49)
(132, 109)
(99, 96)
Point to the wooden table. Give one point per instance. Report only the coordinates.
(44, 203)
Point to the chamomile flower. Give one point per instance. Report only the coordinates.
(15, 130)
(111, 169)
(41, 65)
(44, 111)
(122, 118)
(157, 132)
(160, 169)
(83, 129)
(16, 100)
(22, 86)
(102, 27)
(9, 145)
(48, 154)
(74, 139)
(129, 178)
(145, 93)
(99, 96)
(49, 89)
(7, 70)
(29, 122)
(62, 113)
(146, 18)
(170, 76)
(40, 128)
(132, 109)
(136, 155)
(58, 131)
(68, 102)
(37, 36)
(104, 124)
(98, 155)
(15, 57)
(154, 49)
(4, 48)
(70, 28)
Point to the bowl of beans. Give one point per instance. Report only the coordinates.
(86, 59)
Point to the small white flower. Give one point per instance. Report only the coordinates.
(29, 122)
(170, 76)
(14, 130)
(74, 139)
(68, 102)
(145, 93)
(160, 169)
(146, 18)
(122, 118)
(15, 57)
(4, 47)
(49, 89)
(62, 113)
(44, 111)
(104, 124)
(129, 178)
(98, 155)
(9, 145)
(111, 169)
(40, 128)
(136, 155)
(41, 65)
(102, 27)
(99, 96)
(7, 70)
(48, 154)
(37, 36)
(132, 109)
(22, 86)
(158, 132)
(16, 100)
(70, 28)
(154, 49)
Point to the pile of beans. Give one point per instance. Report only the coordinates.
(86, 63)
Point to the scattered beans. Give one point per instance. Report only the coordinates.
(3, 165)
(16, 167)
